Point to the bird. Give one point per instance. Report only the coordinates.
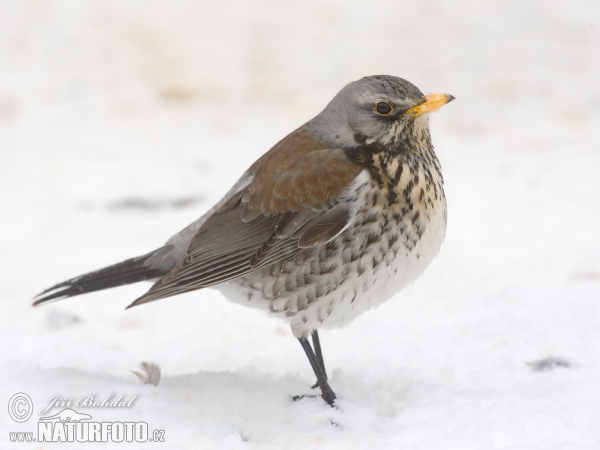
(333, 220)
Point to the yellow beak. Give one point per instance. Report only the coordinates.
(430, 103)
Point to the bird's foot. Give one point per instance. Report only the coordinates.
(329, 399)
(297, 398)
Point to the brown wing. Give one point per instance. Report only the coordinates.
(293, 202)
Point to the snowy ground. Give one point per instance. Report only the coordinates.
(121, 122)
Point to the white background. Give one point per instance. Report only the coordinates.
(121, 122)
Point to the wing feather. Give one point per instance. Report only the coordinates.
(266, 222)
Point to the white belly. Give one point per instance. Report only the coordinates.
(329, 286)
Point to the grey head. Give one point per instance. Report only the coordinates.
(372, 109)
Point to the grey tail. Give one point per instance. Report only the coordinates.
(126, 272)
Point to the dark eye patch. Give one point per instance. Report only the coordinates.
(384, 108)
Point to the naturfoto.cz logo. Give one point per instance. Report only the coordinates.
(69, 425)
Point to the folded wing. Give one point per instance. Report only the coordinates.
(281, 212)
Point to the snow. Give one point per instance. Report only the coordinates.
(120, 123)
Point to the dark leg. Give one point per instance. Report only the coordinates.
(326, 391)
(318, 352)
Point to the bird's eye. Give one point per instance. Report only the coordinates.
(384, 108)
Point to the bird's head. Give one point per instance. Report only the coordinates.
(381, 109)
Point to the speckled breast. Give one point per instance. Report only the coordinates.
(387, 246)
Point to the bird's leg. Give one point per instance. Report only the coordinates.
(326, 391)
(318, 354)
(318, 351)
